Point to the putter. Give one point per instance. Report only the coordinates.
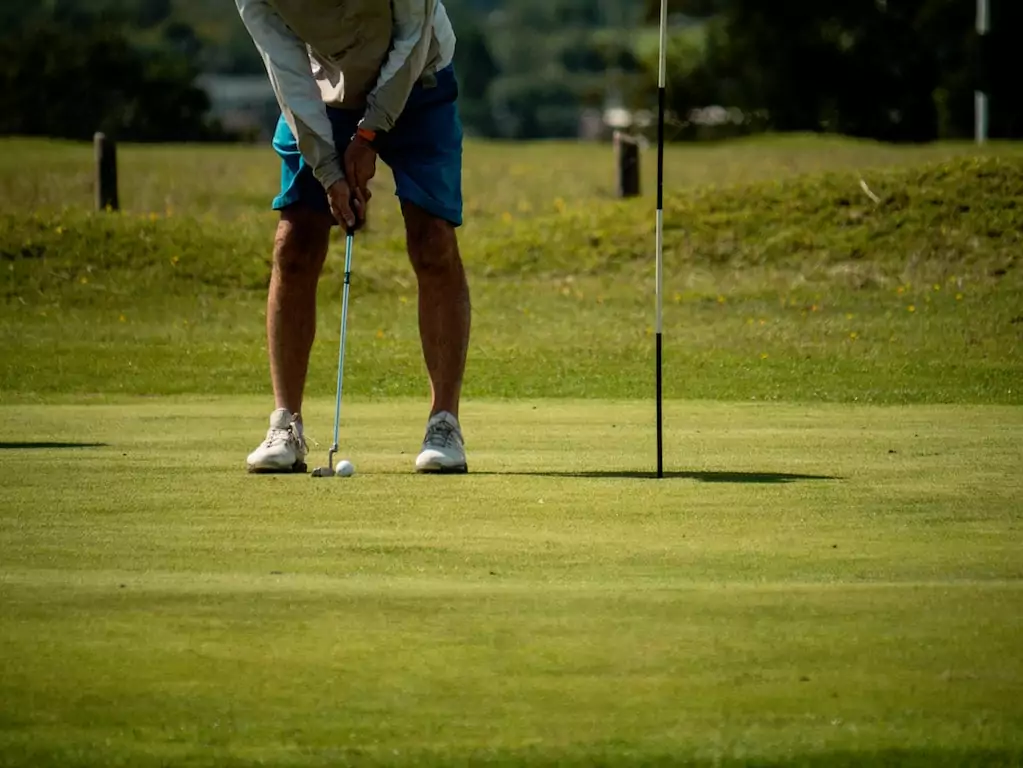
(328, 471)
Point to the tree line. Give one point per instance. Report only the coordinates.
(895, 70)
(68, 72)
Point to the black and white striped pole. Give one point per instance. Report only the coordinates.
(982, 109)
(659, 325)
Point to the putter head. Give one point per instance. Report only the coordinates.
(327, 471)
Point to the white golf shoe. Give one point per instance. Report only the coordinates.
(284, 449)
(443, 447)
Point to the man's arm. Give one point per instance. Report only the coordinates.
(413, 23)
(287, 63)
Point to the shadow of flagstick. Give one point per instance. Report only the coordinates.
(702, 477)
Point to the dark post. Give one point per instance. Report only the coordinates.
(106, 173)
(627, 163)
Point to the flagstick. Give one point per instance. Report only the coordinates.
(659, 328)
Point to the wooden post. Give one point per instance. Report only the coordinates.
(106, 173)
(627, 164)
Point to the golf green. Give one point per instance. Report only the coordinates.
(809, 585)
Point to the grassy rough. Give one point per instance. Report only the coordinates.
(798, 288)
(961, 215)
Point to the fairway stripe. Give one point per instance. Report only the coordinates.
(166, 581)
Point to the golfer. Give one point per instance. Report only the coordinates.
(358, 79)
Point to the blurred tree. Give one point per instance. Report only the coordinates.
(895, 70)
(151, 13)
(70, 80)
(528, 107)
(696, 8)
(475, 67)
(182, 38)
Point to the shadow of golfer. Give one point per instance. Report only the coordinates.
(47, 446)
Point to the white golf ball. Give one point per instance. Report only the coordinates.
(345, 469)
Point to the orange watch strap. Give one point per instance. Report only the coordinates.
(366, 133)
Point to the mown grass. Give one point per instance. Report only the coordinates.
(828, 578)
(810, 585)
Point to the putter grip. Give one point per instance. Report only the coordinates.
(351, 230)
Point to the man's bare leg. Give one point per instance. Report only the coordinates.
(444, 307)
(300, 249)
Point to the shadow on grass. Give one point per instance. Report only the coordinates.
(702, 477)
(889, 758)
(39, 756)
(47, 446)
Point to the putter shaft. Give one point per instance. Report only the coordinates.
(341, 354)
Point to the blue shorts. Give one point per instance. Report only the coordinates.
(423, 151)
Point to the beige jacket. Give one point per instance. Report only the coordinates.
(354, 54)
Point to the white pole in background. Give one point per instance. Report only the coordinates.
(981, 97)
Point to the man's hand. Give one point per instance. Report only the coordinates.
(340, 197)
(360, 167)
